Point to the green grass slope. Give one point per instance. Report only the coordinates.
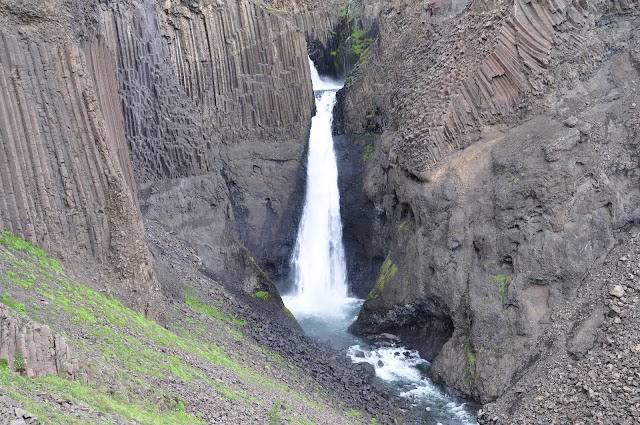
(201, 370)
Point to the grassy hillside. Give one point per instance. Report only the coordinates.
(201, 370)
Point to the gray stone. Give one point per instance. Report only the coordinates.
(571, 122)
(617, 291)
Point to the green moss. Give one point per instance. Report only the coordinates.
(126, 348)
(262, 295)
(471, 356)
(19, 364)
(366, 154)
(18, 244)
(288, 313)
(388, 270)
(360, 44)
(4, 364)
(143, 413)
(344, 10)
(503, 281)
(353, 413)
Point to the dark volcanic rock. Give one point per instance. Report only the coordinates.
(361, 241)
(497, 203)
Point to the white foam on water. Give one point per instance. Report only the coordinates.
(321, 83)
(400, 365)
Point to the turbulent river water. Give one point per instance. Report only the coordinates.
(320, 298)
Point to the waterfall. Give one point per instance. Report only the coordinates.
(318, 262)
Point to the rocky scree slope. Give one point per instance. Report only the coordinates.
(208, 365)
(589, 355)
(506, 170)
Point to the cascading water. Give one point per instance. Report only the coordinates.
(319, 267)
(320, 297)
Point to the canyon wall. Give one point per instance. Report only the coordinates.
(217, 103)
(65, 175)
(195, 113)
(505, 172)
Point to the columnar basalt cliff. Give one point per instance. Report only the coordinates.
(506, 171)
(65, 175)
(32, 349)
(199, 108)
(227, 84)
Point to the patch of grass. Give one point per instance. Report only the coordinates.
(471, 356)
(18, 244)
(178, 405)
(366, 154)
(353, 413)
(288, 313)
(262, 295)
(143, 413)
(274, 413)
(503, 281)
(388, 270)
(344, 10)
(19, 363)
(360, 44)
(4, 364)
(20, 308)
(213, 312)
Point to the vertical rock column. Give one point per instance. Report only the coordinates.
(32, 349)
(63, 185)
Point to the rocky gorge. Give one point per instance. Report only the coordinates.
(156, 150)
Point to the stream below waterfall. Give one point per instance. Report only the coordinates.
(320, 298)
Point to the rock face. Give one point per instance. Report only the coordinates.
(200, 109)
(506, 171)
(66, 177)
(585, 374)
(219, 112)
(32, 349)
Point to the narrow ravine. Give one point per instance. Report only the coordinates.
(320, 298)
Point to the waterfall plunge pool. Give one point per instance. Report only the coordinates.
(320, 298)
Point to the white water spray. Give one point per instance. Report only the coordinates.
(318, 261)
